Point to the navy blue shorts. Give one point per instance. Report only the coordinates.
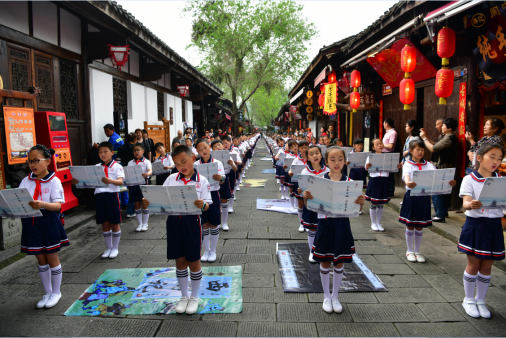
(231, 179)
(135, 193)
(184, 237)
(160, 179)
(43, 235)
(482, 238)
(225, 192)
(415, 211)
(108, 208)
(334, 241)
(377, 190)
(238, 172)
(213, 214)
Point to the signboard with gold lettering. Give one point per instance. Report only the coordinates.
(461, 166)
(19, 133)
(330, 99)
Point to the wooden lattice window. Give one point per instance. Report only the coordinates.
(44, 80)
(119, 88)
(68, 89)
(160, 105)
(19, 71)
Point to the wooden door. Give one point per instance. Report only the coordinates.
(43, 78)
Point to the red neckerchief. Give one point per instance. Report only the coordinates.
(38, 190)
(418, 164)
(187, 180)
(478, 178)
(313, 171)
(107, 166)
(139, 161)
(301, 159)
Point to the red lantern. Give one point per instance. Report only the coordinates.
(118, 55)
(354, 100)
(407, 92)
(332, 77)
(322, 87)
(408, 59)
(321, 100)
(355, 79)
(444, 84)
(446, 44)
(183, 90)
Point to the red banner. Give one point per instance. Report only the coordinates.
(381, 120)
(462, 130)
(338, 126)
(387, 64)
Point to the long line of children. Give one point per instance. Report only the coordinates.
(331, 241)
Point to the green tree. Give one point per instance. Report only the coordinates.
(264, 106)
(248, 45)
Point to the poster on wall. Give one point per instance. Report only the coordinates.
(19, 133)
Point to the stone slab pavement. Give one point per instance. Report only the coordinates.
(423, 299)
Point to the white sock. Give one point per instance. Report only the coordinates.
(196, 278)
(338, 278)
(224, 213)
(373, 211)
(469, 284)
(325, 277)
(283, 190)
(310, 239)
(292, 201)
(205, 239)
(138, 215)
(45, 277)
(56, 275)
(231, 201)
(277, 180)
(379, 214)
(108, 239)
(215, 234)
(182, 279)
(482, 283)
(409, 239)
(299, 212)
(418, 240)
(145, 216)
(116, 236)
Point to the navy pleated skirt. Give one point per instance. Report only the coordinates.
(280, 172)
(415, 211)
(43, 235)
(309, 219)
(334, 241)
(359, 174)
(377, 190)
(288, 180)
(483, 238)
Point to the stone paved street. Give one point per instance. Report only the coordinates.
(423, 299)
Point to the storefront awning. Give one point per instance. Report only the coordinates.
(296, 96)
(228, 117)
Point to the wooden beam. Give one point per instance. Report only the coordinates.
(17, 95)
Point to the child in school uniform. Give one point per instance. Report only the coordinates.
(166, 160)
(108, 212)
(280, 171)
(293, 149)
(189, 144)
(358, 174)
(482, 238)
(134, 191)
(415, 210)
(310, 218)
(44, 236)
(238, 174)
(225, 189)
(300, 160)
(334, 241)
(184, 233)
(234, 184)
(211, 219)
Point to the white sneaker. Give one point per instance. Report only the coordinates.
(419, 257)
(327, 305)
(380, 228)
(212, 257)
(471, 308)
(193, 306)
(139, 228)
(144, 227)
(181, 306)
(238, 188)
(411, 256)
(301, 228)
(225, 227)
(279, 188)
(106, 253)
(130, 215)
(235, 199)
(374, 227)
(311, 260)
(114, 253)
(230, 210)
(482, 309)
(360, 213)
(205, 257)
(42, 303)
(52, 301)
(336, 306)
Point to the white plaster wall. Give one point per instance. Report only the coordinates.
(102, 105)
(167, 81)
(136, 106)
(312, 125)
(152, 107)
(133, 59)
(14, 14)
(189, 113)
(70, 31)
(178, 115)
(45, 21)
(169, 103)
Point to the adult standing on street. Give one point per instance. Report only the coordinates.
(491, 135)
(151, 143)
(446, 149)
(413, 131)
(140, 140)
(114, 138)
(389, 141)
(179, 139)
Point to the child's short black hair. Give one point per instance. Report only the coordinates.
(181, 149)
(46, 152)
(417, 142)
(279, 139)
(159, 144)
(216, 142)
(226, 137)
(106, 145)
(358, 141)
(235, 138)
(303, 143)
(292, 143)
(140, 145)
(200, 140)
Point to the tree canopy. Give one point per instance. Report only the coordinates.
(249, 45)
(264, 106)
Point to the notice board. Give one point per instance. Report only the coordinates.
(19, 133)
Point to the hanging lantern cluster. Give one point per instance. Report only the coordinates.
(444, 76)
(407, 85)
(355, 95)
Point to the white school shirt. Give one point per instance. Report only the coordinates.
(299, 160)
(376, 174)
(234, 149)
(308, 171)
(166, 161)
(195, 152)
(144, 162)
(51, 190)
(221, 171)
(410, 165)
(472, 185)
(199, 181)
(114, 171)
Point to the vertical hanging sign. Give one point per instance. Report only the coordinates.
(381, 120)
(462, 129)
(329, 104)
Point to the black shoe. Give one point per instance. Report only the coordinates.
(439, 220)
(434, 215)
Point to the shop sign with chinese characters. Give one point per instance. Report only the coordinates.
(367, 100)
(462, 129)
(386, 89)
